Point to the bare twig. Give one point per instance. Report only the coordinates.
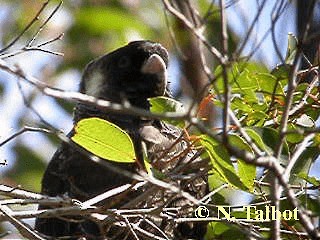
(79, 97)
(36, 18)
(23, 130)
(25, 230)
(29, 44)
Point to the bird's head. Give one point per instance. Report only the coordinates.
(134, 72)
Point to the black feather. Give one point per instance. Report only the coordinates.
(117, 77)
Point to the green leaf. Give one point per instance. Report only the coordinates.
(238, 104)
(256, 139)
(221, 162)
(313, 180)
(313, 204)
(292, 49)
(238, 142)
(281, 72)
(293, 137)
(241, 77)
(256, 118)
(270, 137)
(104, 139)
(303, 164)
(269, 84)
(221, 230)
(246, 172)
(165, 104)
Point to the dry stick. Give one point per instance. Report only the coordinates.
(146, 233)
(59, 37)
(130, 228)
(20, 226)
(157, 228)
(244, 134)
(28, 104)
(80, 97)
(28, 46)
(106, 195)
(195, 23)
(49, 201)
(36, 18)
(18, 193)
(283, 231)
(23, 130)
(27, 49)
(298, 187)
(173, 38)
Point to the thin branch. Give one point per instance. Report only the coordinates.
(23, 130)
(83, 98)
(295, 156)
(106, 195)
(18, 193)
(36, 18)
(29, 44)
(304, 99)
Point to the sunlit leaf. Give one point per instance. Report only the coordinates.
(238, 104)
(104, 139)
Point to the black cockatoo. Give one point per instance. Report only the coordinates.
(133, 74)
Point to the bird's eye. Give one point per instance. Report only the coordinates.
(124, 62)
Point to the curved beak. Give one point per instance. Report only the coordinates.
(155, 65)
